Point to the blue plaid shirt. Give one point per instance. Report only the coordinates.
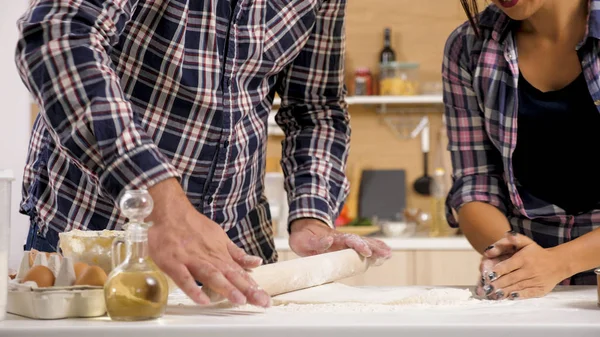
(480, 76)
(135, 92)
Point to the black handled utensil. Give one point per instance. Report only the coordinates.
(423, 184)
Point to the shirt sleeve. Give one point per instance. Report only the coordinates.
(63, 58)
(477, 163)
(315, 120)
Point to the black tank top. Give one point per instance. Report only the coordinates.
(558, 146)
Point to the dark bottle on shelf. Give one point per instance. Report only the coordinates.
(387, 54)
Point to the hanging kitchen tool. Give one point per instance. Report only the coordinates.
(422, 184)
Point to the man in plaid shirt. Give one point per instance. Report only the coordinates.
(173, 97)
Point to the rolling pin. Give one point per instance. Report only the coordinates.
(306, 272)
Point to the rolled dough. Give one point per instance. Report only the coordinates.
(340, 293)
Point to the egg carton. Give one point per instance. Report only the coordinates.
(62, 300)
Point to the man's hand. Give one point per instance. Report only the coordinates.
(312, 237)
(188, 246)
(526, 270)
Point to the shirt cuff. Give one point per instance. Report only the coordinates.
(138, 169)
(481, 188)
(314, 207)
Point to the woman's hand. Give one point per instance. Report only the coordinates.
(530, 271)
(492, 255)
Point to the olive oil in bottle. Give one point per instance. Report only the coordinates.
(136, 289)
(439, 225)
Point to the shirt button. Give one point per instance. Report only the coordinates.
(226, 144)
(597, 102)
(209, 200)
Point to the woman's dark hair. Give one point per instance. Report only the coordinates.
(472, 10)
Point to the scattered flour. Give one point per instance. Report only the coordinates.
(340, 293)
(343, 299)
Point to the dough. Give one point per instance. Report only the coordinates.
(340, 293)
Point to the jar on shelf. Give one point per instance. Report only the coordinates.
(399, 79)
(363, 82)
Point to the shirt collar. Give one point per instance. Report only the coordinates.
(500, 24)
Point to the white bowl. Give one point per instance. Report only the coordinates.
(399, 229)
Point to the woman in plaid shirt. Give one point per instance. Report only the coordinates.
(522, 93)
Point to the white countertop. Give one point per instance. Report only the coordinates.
(410, 243)
(570, 311)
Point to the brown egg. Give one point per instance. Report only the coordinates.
(79, 268)
(92, 276)
(41, 275)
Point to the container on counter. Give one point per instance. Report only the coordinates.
(439, 226)
(94, 247)
(136, 288)
(91, 247)
(363, 82)
(6, 178)
(49, 286)
(400, 228)
(399, 79)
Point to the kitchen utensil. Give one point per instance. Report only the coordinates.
(382, 194)
(422, 184)
(6, 178)
(291, 275)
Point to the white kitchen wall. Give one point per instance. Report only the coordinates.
(14, 120)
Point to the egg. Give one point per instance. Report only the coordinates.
(41, 275)
(79, 268)
(92, 276)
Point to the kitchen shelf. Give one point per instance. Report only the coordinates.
(401, 105)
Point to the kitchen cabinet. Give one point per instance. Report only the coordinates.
(416, 261)
(435, 267)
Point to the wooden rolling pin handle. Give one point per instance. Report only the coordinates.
(301, 273)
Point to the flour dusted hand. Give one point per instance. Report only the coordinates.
(526, 270)
(188, 246)
(311, 237)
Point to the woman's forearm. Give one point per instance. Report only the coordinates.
(482, 224)
(581, 254)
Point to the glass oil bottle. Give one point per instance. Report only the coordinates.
(136, 289)
(439, 225)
